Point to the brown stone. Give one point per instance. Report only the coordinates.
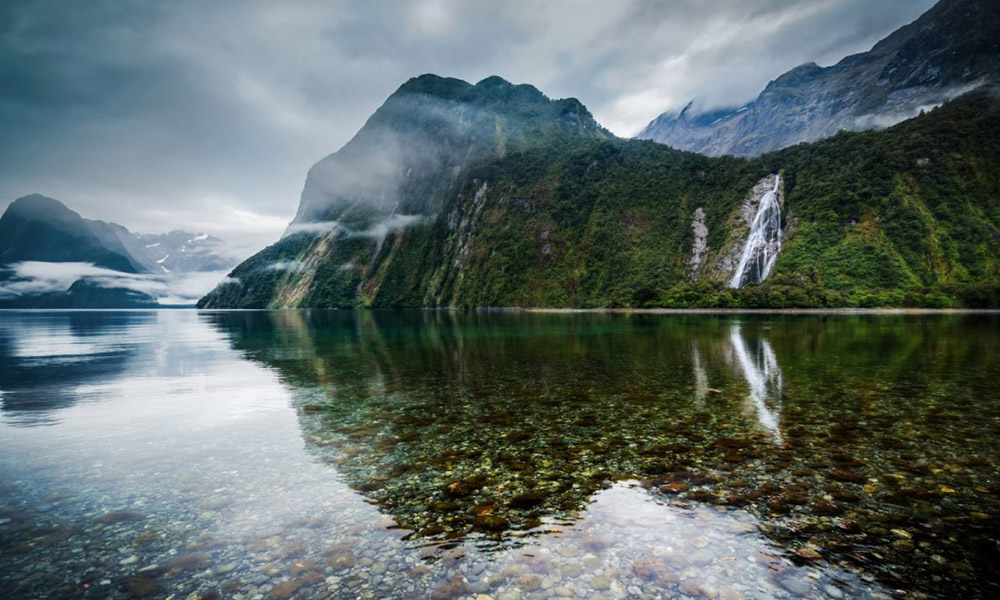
(344, 560)
(284, 589)
(188, 562)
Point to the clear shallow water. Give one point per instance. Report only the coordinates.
(424, 454)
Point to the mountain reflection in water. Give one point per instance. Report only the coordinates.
(433, 454)
(869, 445)
(46, 356)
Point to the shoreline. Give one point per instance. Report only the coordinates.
(543, 310)
(802, 311)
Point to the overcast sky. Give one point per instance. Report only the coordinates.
(206, 115)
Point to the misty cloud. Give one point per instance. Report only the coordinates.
(392, 223)
(207, 115)
(319, 228)
(286, 265)
(188, 288)
(37, 277)
(377, 231)
(892, 118)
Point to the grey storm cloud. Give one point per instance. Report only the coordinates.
(206, 116)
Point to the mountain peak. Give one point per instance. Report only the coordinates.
(39, 228)
(498, 88)
(949, 50)
(435, 85)
(489, 90)
(432, 128)
(494, 81)
(799, 74)
(37, 206)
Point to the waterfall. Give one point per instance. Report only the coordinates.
(764, 241)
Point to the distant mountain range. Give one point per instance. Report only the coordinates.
(51, 257)
(953, 48)
(177, 251)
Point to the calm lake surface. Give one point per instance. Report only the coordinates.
(422, 454)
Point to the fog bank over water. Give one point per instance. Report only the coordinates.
(38, 277)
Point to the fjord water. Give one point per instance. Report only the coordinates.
(444, 455)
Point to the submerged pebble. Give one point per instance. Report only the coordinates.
(497, 463)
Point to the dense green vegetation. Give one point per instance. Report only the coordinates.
(909, 216)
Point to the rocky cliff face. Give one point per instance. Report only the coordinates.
(951, 49)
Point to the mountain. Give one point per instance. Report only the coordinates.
(951, 49)
(42, 229)
(397, 173)
(178, 251)
(571, 217)
(51, 257)
(37, 232)
(428, 131)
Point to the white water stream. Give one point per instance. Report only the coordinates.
(764, 241)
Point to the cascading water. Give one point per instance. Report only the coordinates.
(764, 242)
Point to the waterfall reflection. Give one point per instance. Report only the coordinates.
(700, 377)
(486, 430)
(763, 375)
(754, 362)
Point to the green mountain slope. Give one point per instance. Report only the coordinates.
(905, 216)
